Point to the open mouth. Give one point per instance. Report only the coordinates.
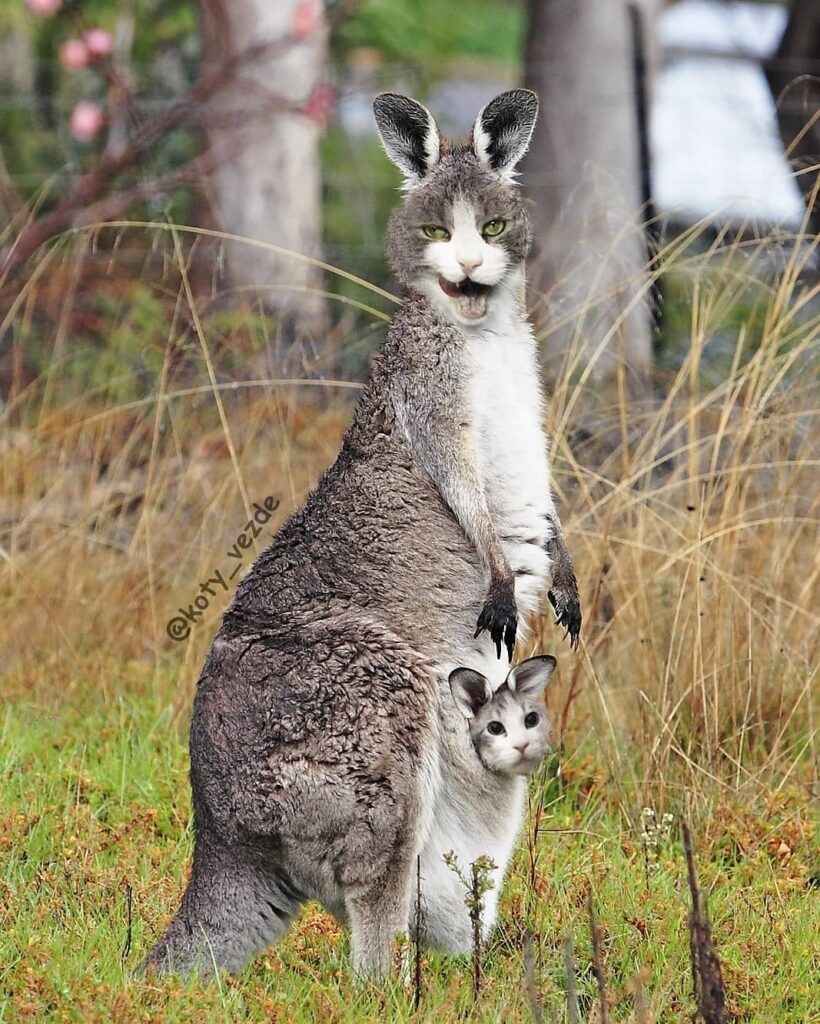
(470, 296)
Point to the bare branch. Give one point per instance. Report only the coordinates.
(129, 900)
(597, 962)
(573, 1010)
(186, 111)
(529, 981)
(707, 980)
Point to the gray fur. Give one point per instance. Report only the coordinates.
(327, 752)
(563, 594)
(516, 707)
(507, 124)
(408, 133)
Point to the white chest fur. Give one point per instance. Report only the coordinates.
(511, 447)
(506, 414)
(458, 828)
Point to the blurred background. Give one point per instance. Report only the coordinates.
(254, 118)
(192, 283)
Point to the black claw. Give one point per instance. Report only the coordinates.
(499, 618)
(568, 615)
(509, 637)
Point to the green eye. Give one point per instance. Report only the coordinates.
(493, 228)
(435, 232)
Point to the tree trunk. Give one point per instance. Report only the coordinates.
(582, 173)
(266, 182)
(794, 78)
(17, 77)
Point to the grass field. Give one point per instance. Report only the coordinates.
(693, 521)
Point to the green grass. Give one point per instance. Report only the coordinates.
(95, 798)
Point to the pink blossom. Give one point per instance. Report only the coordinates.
(99, 42)
(73, 54)
(86, 120)
(320, 105)
(306, 18)
(44, 8)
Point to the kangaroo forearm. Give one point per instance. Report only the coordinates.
(563, 570)
(443, 448)
(476, 522)
(433, 413)
(447, 459)
(459, 484)
(563, 594)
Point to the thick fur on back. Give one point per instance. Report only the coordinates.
(326, 749)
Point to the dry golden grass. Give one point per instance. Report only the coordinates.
(692, 517)
(694, 524)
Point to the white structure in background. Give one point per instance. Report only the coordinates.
(716, 151)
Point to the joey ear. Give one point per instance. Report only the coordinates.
(409, 134)
(471, 691)
(532, 675)
(503, 129)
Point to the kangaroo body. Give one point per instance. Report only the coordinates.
(327, 752)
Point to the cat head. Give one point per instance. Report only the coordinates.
(461, 234)
(509, 728)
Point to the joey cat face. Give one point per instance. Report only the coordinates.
(510, 729)
(461, 233)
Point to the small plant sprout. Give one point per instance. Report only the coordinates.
(476, 888)
(655, 834)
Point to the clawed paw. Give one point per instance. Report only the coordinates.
(499, 617)
(567, 614)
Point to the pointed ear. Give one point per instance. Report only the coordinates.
(409, 134)
(471, 691)
(532, 675)
(503, 129)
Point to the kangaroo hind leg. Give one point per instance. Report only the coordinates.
(235, 905)
(377, 914)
